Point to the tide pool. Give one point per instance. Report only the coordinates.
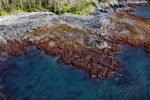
(37, 76)
(142, 11)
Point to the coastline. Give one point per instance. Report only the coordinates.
(85, 42)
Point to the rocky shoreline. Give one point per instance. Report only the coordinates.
(139, 3)
(73, 48)
(88, 42)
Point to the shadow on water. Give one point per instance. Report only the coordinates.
(36, 76)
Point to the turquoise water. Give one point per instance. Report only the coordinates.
(36, 76)
(142, 11)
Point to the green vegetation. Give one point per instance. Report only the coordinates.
(57, 6)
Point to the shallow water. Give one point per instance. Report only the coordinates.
(142, 11)
(36, 76)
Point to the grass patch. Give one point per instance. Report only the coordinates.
(57, 6)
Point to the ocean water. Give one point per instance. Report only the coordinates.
(37, 76)
(142, 11)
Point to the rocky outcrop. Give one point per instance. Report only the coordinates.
(73, 46)
(134, 31)
(87, 42)
(76, 50)
(138, 2)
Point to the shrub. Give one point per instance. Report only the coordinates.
(57, 6)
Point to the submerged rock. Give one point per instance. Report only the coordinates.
(2, 96)
(147, 47)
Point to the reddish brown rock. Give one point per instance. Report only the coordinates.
(15, 47)
(98, 62)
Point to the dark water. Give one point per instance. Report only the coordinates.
(142, 11)
(36, 76)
